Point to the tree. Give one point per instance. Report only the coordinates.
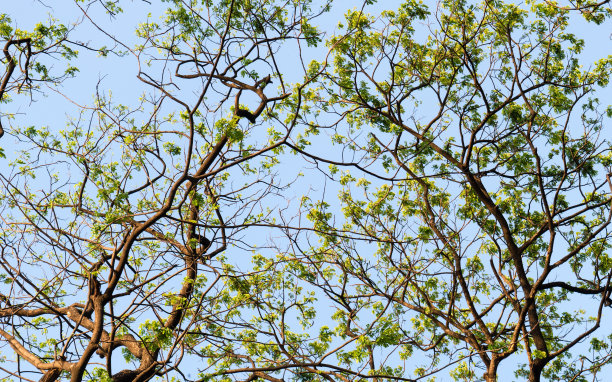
(124, 254)
(469, 236)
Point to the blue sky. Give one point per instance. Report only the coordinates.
(118, 75)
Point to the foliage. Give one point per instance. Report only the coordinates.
(423, 193)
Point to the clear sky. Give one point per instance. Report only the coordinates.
(53, 107)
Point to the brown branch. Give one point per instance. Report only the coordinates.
(11, 67)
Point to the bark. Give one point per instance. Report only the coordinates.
(51, 375)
